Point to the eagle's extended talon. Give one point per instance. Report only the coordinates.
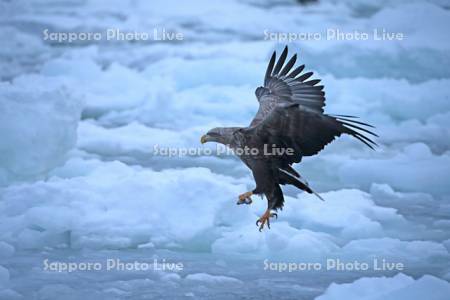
(265, 219)
(244, 201)
(245, 198)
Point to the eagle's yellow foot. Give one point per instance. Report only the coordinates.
(245, 198)
(265, 219)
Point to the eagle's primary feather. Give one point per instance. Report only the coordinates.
(290, 116)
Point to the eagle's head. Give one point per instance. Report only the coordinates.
(222, 135)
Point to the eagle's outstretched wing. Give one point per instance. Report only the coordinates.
(291, 114)
(281, 85)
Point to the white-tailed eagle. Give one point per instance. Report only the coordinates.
(291, 120)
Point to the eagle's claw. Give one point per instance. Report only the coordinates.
(245, 198)
(265, 219)
(244, 201)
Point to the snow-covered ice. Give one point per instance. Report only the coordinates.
(38, 128)
(80, 180)
(397, 287)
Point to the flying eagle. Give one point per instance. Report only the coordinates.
(290, 118)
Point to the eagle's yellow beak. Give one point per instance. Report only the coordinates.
(203, 139)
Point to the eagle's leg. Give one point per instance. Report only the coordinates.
(245, 198)
(265, 219)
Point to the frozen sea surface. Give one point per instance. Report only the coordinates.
(81, 180)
